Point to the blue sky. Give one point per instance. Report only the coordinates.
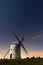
(24, 17)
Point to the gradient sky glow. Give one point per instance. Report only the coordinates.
(25, 18)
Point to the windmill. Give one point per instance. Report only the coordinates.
(15, 49)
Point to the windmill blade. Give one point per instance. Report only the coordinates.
(22, 39)
(24, 48)
(6, 53)
(16, 36)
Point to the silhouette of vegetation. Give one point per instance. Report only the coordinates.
(38, 57)
(33, 57)
(27, 61)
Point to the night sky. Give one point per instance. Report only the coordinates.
(25, 18)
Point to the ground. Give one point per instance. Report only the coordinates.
(32, 61)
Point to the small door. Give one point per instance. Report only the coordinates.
(10, 56)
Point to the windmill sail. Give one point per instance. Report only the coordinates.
(6, 53)
(24, 48)
(16, 36)
(22, 39)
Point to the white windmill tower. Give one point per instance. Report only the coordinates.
(15, 49)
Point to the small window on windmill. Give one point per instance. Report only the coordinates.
(10, 56)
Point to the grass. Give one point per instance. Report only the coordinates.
(32, 61)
